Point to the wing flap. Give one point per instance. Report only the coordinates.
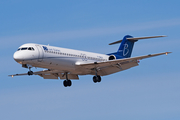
(50, 76)
(70, 76)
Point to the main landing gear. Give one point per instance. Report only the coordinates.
(67, 82)
(96, 78)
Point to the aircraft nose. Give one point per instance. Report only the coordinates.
(17, 57)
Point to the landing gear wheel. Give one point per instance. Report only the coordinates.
(30, 72)
(97, 79)
(67, 83)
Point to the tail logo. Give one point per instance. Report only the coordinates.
(126, 50)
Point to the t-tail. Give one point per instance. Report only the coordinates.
(126, 46)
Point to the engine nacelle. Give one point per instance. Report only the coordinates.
(112, 57)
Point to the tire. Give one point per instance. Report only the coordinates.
(95, 79)
(98, 78)
(65, 83)
(69, 83)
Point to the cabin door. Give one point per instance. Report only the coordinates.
(40, 53)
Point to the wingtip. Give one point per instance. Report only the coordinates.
(164, 36)
(11, 76)
(168, 53)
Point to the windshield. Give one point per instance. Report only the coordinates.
(25, 48)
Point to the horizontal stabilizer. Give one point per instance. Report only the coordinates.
(138, 38)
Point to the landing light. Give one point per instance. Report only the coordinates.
(166, 53)
(12, 76)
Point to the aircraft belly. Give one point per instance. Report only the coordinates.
(57, 63)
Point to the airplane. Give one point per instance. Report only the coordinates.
(68, 64)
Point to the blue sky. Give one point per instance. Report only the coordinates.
(148, 91)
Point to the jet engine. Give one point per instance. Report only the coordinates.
(112, 57)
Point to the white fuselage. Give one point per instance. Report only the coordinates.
(68, 64)
(56, 58)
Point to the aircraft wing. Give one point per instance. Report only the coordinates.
(35, 73)
(46, 73)
(50, 74)
(113, 66)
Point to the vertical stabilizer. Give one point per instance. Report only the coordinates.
(127, 44)
(126, 47)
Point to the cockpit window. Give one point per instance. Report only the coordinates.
(26, 48)
(30, 48)
(23, 48)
